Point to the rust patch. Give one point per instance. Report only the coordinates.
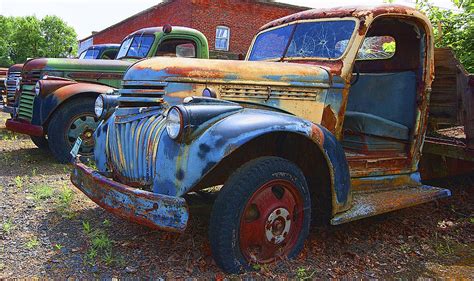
(329, 119)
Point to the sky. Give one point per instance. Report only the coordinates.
(94, 15)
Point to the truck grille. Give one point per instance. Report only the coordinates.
(141, 95)
(262, 92)
(27, 96)
(132, 148)
(11, 86)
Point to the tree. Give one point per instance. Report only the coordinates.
(29, 37)
(453, 29)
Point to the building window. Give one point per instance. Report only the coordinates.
(222, 38)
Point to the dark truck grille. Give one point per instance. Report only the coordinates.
(27, 96)
(141, 95)
(11, 86)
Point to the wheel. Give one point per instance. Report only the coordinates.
(262, 214)
(40, 142)
(72, 120)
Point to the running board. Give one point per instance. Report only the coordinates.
(367, 204)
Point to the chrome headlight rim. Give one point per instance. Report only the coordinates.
(175, 123)
(38, 88)
(99, 106)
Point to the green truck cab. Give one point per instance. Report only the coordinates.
(54, 97)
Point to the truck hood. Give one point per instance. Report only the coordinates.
(227, 71)
(76, 65)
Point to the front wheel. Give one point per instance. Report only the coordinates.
(74, 119)
(40, 142)
(262, 214)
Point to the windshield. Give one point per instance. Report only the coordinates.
(90, 54)
(302, 40)
(136, 46)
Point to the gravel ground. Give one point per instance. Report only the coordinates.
(50, 229)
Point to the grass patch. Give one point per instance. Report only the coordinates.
(7, 226)
(100, 247)
(42, 192)
(64, 201)
(32, 243)
(18, 182)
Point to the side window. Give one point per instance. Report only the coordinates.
(222, 38)
(109, 55)
(180, 48)
(377, 48)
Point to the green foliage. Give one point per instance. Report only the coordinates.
(457, 28)
(29, 37)
(389, 47)
(32, 243)
(7, 226)
(43, 192)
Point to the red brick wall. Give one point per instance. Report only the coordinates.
(175, 13)
(243, 17)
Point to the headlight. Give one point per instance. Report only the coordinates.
(38, 88)
(18, 84)
(174, 123)
(209, 93)
(99, 106)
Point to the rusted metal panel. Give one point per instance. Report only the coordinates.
(24, 127)
(366, 204)
(146, 208)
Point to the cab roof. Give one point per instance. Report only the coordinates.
(346, 11)
(156, 29)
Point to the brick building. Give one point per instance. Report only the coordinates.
(229, 25)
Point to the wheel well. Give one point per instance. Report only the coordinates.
(65, 102)
(291, 146)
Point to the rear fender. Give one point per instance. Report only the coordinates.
(50, 102)
(182, 165)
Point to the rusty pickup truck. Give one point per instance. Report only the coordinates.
(52, 99)
(324, 121)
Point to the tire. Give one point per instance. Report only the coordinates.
(40, 142)
(262, 214)
(73, 119)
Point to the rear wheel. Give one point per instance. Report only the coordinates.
(72, 120)
(261, 215)
(40, 142)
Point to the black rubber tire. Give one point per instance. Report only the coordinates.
(230, 203)
(40, 142)
(57, 138)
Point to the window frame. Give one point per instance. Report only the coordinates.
(227, 46)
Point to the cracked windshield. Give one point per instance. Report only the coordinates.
(310, 39)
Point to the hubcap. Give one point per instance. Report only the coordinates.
(84, 127)
(271, 222)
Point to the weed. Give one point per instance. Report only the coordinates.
(405, 248)
(43, 192)
(303, 274)
(66, 170)
(32, 243)
(86, 226)
(106, 223)
(7, 226)
(58, 247)
(64, 199)
(90, 256)
(91, 164)
(33, 172)
(101, 241)
(108, 258)
(471, 220)
(18, 182)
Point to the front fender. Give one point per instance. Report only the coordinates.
(49, 102)
(180, 166)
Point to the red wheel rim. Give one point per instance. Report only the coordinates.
(271, 222)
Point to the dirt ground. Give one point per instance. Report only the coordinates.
(50, 229)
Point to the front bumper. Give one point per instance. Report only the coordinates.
(24, 127)
(150, 209)
(8, 109)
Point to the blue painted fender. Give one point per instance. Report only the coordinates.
(181, 165)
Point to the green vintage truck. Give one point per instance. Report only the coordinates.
(54, 98)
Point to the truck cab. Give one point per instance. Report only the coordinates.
(54, 97)
(100, 51)
(323, 122)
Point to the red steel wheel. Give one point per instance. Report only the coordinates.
(262, 215)
(271, 222)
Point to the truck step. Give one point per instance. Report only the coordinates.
(366, 204)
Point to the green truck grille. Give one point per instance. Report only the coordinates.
(27, 98)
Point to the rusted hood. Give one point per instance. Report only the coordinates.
(15, 68)
(226, 71)
(67, 65)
